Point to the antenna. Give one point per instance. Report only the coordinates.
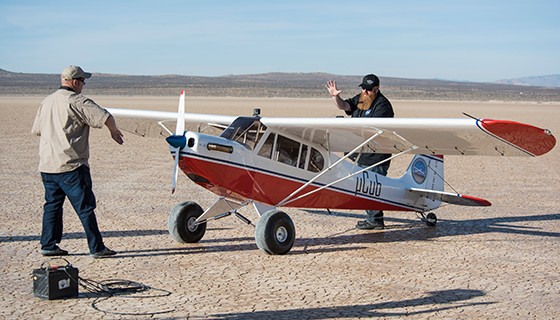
(468, 115)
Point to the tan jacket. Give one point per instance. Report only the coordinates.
(63, 121)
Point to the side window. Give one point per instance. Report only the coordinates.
(266, 149)
(316, 161)
(287, 151)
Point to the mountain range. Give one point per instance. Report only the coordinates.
(275, 84)
(552, 80)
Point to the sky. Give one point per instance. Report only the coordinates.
(479, 41)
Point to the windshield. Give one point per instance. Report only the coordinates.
(245, 130)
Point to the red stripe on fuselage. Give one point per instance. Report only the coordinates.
(228, 180)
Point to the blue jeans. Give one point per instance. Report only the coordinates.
(377, 215)
(76, 185)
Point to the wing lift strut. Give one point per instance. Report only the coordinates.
(289, 199)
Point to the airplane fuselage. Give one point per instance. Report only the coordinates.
(237, 171)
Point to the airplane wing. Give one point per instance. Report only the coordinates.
(152, 123)
(443, 136)
(430, 136)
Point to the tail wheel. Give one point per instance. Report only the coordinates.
(181, 222)
(275, 233)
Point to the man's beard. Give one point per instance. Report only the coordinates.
(365, 101)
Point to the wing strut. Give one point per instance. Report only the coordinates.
(281, 203)
(287, 199)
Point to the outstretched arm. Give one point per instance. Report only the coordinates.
(115, 132)
(335, 93)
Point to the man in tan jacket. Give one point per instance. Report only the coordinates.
(63, 122)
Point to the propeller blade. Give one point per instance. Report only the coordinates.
(175, 171)
(179, 131)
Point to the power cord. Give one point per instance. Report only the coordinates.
(116, 287)
(107, 289)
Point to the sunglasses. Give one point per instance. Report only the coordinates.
(82, 80)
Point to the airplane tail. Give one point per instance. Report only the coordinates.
(425, 172)
(425, 178)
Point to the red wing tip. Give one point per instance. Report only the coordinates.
(182, 92)
(534, 140)
(481, 202)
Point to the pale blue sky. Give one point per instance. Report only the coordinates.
(466, 40)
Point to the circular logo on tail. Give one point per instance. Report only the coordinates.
(419, 171)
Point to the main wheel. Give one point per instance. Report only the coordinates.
(181, 222)
(431, 219)
(275, 233)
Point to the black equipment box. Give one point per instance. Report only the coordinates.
(51, 283)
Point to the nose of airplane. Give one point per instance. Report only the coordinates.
(177, 141)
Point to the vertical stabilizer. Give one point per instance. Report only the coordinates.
(425, 172)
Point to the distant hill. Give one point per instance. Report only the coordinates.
(541, 81)
(274, 84)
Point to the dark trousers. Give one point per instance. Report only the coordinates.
(377, 215)
(76, 185)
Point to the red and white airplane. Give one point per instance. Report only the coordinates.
(297, 162)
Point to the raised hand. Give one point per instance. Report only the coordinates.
(331, 86)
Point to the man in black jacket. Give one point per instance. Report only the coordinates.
(369, 103)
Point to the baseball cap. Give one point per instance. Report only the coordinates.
(369, 82)
(74, 72)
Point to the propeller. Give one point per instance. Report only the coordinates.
(178, 140)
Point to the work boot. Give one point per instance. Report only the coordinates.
(104, 253)
(368, 225)
(54, 252)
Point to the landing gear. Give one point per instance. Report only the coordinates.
(181, 222)
(431, 219)
(275, 233)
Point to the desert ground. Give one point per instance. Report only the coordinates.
(498, 262)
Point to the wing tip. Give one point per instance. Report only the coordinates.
(532, 139)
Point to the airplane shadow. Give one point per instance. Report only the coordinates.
(400, 230)
(447, 227)
(440, 300)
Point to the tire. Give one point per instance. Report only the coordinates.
(181, 222)
(431, 216)
(275, 233)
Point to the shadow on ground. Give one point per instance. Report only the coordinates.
(350, 239)
(434, 302)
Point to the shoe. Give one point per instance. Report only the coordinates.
(54, 252)
(104, 253)
(367, 225)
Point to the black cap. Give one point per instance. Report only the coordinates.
(369, 82)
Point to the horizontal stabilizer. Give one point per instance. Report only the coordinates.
(452, 198)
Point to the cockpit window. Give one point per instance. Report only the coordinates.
(245, 130)
(268, 145)
(291, 152)
(287, 151)
(316, 161)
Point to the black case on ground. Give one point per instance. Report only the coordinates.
(51, 283)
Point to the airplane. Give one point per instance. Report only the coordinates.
(270, 163)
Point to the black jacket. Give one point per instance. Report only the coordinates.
(380, 107)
